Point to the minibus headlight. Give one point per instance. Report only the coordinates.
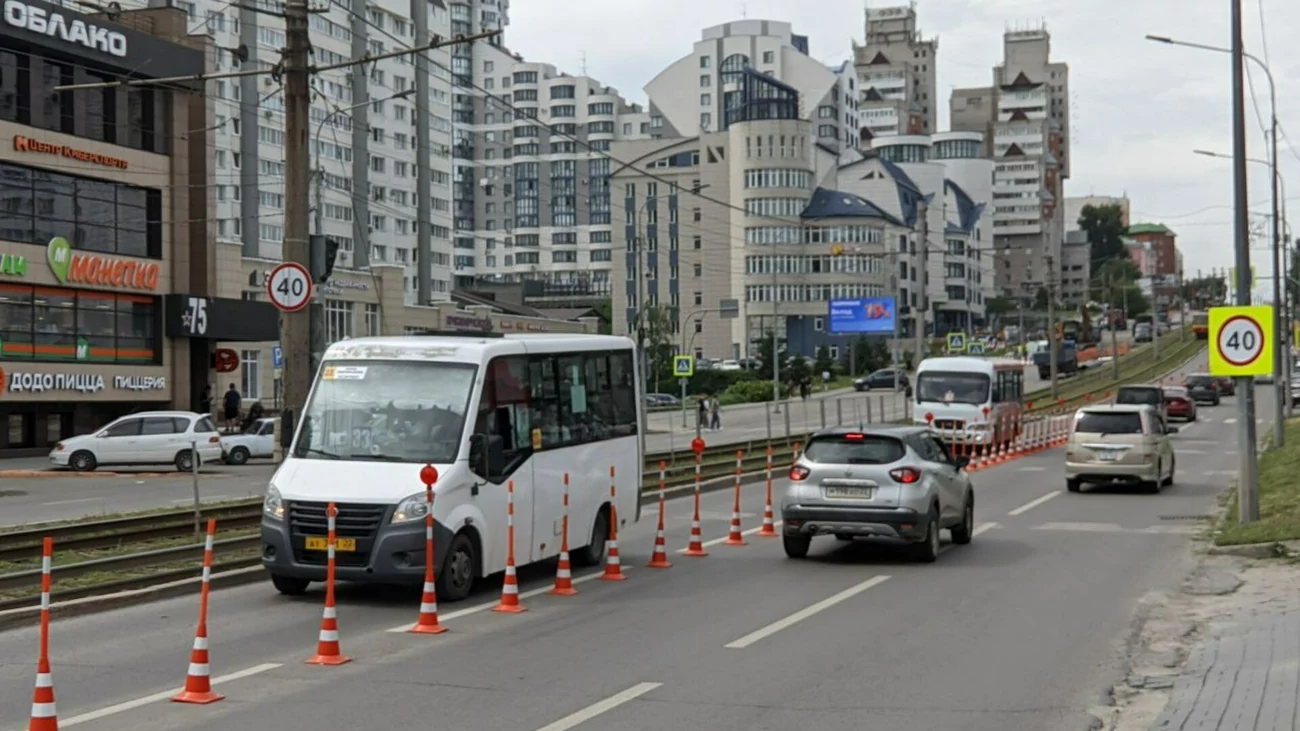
(411, 508)
(273, 505)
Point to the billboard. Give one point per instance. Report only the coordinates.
(866, 315)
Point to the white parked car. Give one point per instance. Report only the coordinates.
(146, 438)
(256, 442)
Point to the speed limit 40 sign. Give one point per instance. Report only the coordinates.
(289, 287)
(1242, 340)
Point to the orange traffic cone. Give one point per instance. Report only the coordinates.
(45, 716)
(735, 537)
(659, 559)
(198, 681)
(428, 624)
(613, 566)
(510, 588)
(564, 572)
(327, 645)
(696, 546)
(769, 523)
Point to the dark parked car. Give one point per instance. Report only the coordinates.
(1227, 386)
(1147, 394)
(1204, 389)
(883, 378)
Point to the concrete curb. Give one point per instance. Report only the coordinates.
(15, 618)
(1250, 550)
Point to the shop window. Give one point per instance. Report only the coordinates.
(55, 324)
(251, 376)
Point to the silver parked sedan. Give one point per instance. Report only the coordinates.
(895, 482)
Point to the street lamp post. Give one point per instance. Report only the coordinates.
(1248, 466)
(1281, 363)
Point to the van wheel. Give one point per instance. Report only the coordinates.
(237, 456)
(289, 586)
(1173, 465)
(1073, 485)
(593, 553)
(459, 569)
(185, 460)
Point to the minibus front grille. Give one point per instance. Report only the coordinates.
(360, 522)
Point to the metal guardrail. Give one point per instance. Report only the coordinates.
(716, 464)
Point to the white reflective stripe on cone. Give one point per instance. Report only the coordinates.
(511, 589)
(200, 643)
(44, 710)
(428, 608)
(44, 680)
(331, 613)
(329, 635)
(199, 668)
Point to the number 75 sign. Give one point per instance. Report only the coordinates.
(1242, 340)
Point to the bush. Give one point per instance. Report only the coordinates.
(748, 391)
(715, 381)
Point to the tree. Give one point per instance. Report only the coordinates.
(824, 361)
(1135, 303)
(1040, 298)
(1000, 305)
(658, 324)
(1105, 228)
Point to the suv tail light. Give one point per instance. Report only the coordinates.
(906, 475)
(798, 473)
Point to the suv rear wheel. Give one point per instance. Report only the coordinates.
(796, 546)
(927, 551)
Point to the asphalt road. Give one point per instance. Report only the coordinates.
(1018, 630)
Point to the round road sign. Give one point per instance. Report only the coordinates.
(289, 287)
(1240, 341)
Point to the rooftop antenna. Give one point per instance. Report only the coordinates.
(584, 63)
(744, 10)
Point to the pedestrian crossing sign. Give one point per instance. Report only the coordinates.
(683, 366)
(957, 342)
(975, 348)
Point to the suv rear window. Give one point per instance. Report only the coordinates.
(1112, 423)
(1200, 380)
(1149, 396)
(854, 449)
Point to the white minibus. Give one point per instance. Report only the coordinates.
(957, 390)
(486, 411)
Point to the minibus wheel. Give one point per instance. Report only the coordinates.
(593, 553)
(459, 569)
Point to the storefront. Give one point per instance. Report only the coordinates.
(96, 192)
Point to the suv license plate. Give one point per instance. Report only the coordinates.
(850, 493)
(1107, 456)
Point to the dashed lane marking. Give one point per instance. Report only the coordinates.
(1034, 503)
(159, 697)
(805, 613)
(604, 706)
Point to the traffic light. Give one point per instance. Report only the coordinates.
(322, 251)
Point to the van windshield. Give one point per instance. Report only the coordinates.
(1112, 423)
(952, 387)
(390, 411)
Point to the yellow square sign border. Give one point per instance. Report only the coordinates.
(689, 360)
(1263, 365)
(953, 337)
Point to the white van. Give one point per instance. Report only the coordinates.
(973, 400)
(485, 411)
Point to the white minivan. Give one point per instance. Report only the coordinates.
(146, 438)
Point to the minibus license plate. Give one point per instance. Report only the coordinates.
(317, 543)
(1109, 455)
(850, 493)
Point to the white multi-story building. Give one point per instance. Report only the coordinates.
(364, 128)
(703, 91)
(896, 70)
(1025, 116)
(533, 199)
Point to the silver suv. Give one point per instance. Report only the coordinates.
(895, 482)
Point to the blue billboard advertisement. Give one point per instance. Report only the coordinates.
(867, 316)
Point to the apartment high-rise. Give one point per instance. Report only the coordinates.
(364, 127)
(1024, 116)
(704, 91)
(532, 174)
(897, 71)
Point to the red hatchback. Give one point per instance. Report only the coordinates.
(1227, 386)
(1179, 404)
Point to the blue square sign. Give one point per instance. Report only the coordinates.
(277, 356)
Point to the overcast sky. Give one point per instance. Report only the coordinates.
(1138, 108)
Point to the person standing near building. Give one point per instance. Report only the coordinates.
(231, 403)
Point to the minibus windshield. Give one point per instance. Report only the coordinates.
(952, 387)
(387, 411)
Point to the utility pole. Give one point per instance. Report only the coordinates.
(423, 170)
(1053, 343)
(295, 327)
(1248, 467)
(776, 341)
(923, 298)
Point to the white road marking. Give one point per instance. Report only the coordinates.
(1229, 421)
(159, 697)
(805, 613)
(1032, 468)
(1178, 530)
(485, 606)
(718, 541)
(595, 709)
(1034, 503)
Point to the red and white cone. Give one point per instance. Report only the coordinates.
(510, 588)
(613, 565)
(659, 559)
(45, 715)
(428, 624)
(198, 680)
(327, 644)
(735, 537)
(564, 571)
(696, 546)
(769, 521)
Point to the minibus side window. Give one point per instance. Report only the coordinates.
(504, 415)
